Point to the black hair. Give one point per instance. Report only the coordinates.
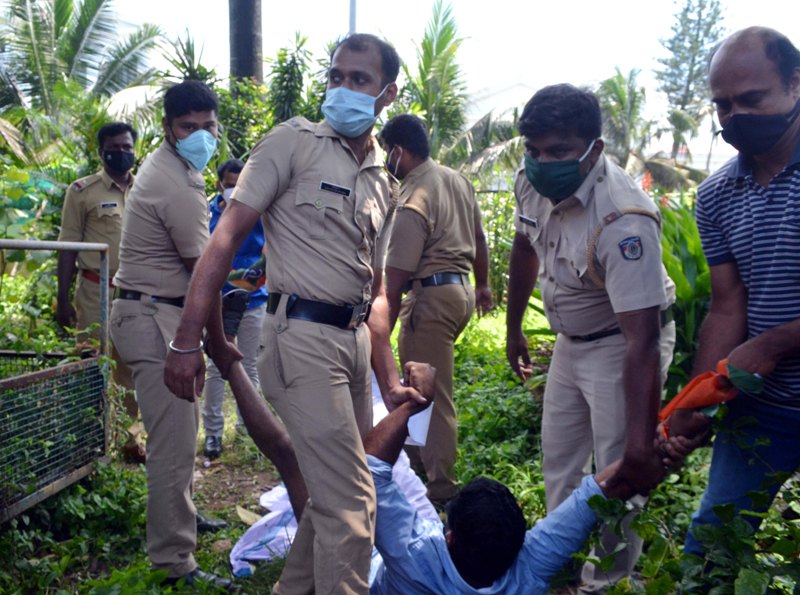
(562, 108)
(188, 96)
(235, 166)
(783, 53)
(488, 530)
(409, 132)
(114, 129)
(361, 42)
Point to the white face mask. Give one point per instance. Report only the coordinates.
(227, 193)
(393, 169)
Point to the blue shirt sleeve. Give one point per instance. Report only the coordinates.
(397, 525)
(549, 545)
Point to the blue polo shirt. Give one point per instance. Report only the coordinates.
(759, 229)
(416, 560)
(248, 254)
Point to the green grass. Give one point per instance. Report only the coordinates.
(90, 538)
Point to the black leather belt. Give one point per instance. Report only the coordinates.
(438, 279)
(129, 294)
(344, 317)
(666, 318)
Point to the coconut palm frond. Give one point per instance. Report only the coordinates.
(126, 63)
(32, 54)
(85, 44)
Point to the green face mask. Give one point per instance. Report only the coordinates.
(556, 180)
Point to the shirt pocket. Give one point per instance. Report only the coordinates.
(317, 208)
(109, 215)
(572, 263)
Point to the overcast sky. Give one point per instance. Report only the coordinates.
(511, 47)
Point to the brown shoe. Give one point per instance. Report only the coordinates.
(133, 452)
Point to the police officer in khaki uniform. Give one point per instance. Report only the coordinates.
(593, 238)
(164, 231)
(92, 212)
(436, 240)
(324, 195)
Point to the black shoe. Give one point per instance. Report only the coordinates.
(213, 447)
(200, 578)
(207, 524)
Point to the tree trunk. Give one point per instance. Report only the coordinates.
(245, 39)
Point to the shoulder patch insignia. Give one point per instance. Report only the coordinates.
(79, 185)
(631, 248)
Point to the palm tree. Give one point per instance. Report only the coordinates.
(625, 130)
(437, 91)
(47, 41)
(491, 142)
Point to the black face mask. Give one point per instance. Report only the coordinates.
(118, 161)
(755, 134)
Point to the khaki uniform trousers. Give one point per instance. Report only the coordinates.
(431, 320)
(318, 379)
(87, 309)
(142, 331)
(584, 413)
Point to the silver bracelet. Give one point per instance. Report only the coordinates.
(185, 351)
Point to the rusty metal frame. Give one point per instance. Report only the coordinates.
(102, 360)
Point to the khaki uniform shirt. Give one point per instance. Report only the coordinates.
(93, 213)
(435, 223)
(166, 219)
(627, 250)
(322, 211)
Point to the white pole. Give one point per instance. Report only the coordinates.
(352, 16)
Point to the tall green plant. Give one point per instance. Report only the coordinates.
(625, 129)
(437, 90)
(497, 210)
(287, 80)
(686, 265)
(682, 76)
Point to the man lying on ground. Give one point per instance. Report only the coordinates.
(484, 548)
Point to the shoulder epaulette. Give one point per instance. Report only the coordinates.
(85, 182)
(300, 123)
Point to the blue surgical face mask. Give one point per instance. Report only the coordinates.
(197, 148)
(350, 113)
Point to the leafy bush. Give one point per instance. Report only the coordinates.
(92, 526)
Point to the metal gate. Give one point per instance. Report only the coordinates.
(53, 412)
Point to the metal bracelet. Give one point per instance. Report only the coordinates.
(185, 351)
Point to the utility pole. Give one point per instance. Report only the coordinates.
(352, 16)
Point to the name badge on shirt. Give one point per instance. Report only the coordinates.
(532, 221)
(334, 188)
(108, 205)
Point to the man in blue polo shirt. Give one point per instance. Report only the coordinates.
(748, 214)
(248, 333)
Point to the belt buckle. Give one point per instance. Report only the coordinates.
(360, 315)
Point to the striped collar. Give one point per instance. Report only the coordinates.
(742, 165)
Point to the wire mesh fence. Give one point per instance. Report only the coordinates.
(16, 363)
(52, 426)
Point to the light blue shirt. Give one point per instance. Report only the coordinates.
(416, 560)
